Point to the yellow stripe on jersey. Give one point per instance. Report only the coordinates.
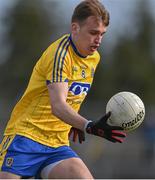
(59, 59)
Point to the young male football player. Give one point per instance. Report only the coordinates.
(36, 137)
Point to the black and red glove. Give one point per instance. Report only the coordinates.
(103, 129)
(76, 134)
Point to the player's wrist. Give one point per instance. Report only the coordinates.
(87, 126)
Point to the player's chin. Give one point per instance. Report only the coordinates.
(91, 52)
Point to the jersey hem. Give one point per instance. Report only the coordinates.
(38, 140)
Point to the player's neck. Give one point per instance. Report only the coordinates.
(75, 46)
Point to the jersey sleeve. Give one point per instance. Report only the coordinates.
(56, 62)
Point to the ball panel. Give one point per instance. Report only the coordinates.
(127, 110)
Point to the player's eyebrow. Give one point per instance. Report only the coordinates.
(97, 31)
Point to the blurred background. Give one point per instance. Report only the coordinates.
(27, 27)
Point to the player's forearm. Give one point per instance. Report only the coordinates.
(64, 112)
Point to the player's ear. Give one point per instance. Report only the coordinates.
(75, 28)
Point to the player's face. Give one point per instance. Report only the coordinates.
(88, 36)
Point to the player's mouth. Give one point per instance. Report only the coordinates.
(94, 48)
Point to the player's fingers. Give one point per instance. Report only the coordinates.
(111, 139)
(117, 128)
(105, 118)
(81, 137)
(117, 139)
(107, 115)
(70, 132)
(75, 135)
(118, 133)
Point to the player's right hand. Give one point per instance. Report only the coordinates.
(75, 134)
(103, 129)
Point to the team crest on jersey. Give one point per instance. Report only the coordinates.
(79, 88)
(83, 67)
(74, 69)
(9, 161)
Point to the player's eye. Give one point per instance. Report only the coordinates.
(103, 33)
(93, 32)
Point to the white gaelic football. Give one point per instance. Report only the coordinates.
(127, 110)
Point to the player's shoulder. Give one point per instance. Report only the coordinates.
(60, 43)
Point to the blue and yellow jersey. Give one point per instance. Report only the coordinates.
(32, 116)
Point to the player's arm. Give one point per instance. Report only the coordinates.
(58, 95)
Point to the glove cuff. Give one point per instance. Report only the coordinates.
(86, 125)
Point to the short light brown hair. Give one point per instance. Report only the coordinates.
(90, 8)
